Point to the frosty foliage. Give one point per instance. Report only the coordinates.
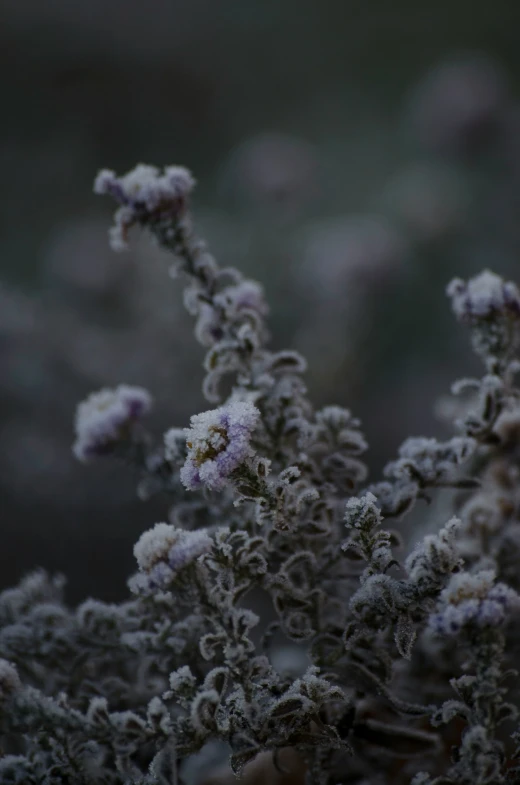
(364, 660)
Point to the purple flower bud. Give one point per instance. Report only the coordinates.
(473, 600)
(218, 442)
(144, 195)
(163, 552)
(104, 417)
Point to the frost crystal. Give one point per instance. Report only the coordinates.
(105, 417)
(218, 443)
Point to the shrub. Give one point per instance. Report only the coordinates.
(364, 661)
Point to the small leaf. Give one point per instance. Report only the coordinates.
(208, 644)
(405, 636)
(288, 706)
(240, 759)
(506, 712)
(449, 710)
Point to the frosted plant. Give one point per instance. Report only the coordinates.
(275, 543)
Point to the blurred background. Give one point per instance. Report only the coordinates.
(353, 155)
